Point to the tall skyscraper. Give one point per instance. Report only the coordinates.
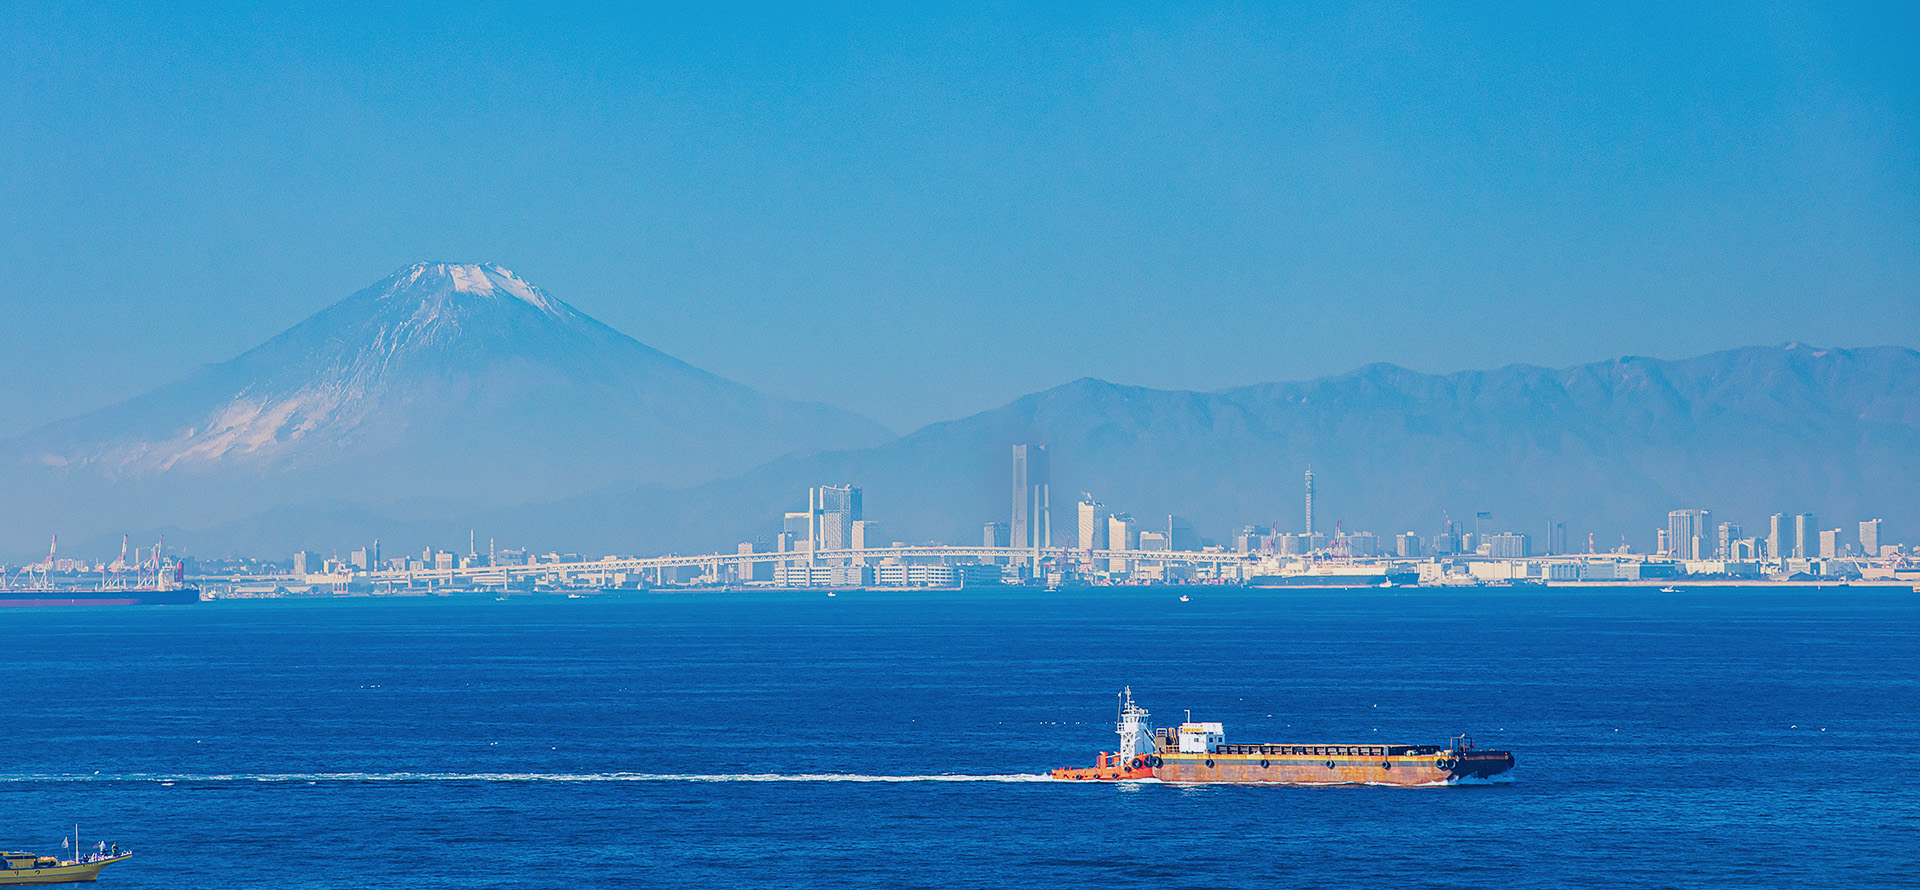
(1830, 544)
(1779, 537)
(1729, 533)
(1180, 534)
(1687, 533)
(1556, 538)
(1309, 528)
(1806, 537)
(1093, 524)
(835, 509)
(1870, 537)
(1122, 534)
(995, 535)
(1032, 477)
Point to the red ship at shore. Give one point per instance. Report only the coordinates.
(1195, 753)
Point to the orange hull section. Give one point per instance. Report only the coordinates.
(1108, 769)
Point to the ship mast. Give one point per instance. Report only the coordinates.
(1132, 727)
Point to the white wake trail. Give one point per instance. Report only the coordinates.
(175, 778)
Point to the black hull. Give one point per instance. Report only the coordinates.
(142, 597)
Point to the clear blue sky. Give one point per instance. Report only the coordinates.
(919, 213)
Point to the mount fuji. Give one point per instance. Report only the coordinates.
(443, 386)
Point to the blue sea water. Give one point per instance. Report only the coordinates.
(1720, 738)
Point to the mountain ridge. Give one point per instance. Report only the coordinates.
(461, 382)
(1607, 447)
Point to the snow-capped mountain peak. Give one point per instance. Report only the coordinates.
(439, 375)
(486, 279)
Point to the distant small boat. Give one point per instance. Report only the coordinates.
(1184, 599)
(1669, 590)
(831, 593)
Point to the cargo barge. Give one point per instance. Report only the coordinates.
(1198, 753)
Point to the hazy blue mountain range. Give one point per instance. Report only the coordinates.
(449, 398)
(1607, 448)
(445, 388)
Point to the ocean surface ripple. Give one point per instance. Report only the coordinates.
(1725, 738)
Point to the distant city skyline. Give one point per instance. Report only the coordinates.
(985, 202)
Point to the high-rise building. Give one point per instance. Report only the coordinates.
(1482, 526)
(1830, 544)
(794, 528)
(1509, 546)
(753, 571)
(866, 535)
(995, 535)
(1687, 533)
(1309, 528)
(305, 562)
(1556, 538)
(1779, 537)
(1122, 534)
(1180, 534)
(835, 509)
(1806, 536)
(1407, 545)
(1032, 478)
(1729, 533)
(1870, 537)
(1363, 544)
(1093, 524)
(1664, 542)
